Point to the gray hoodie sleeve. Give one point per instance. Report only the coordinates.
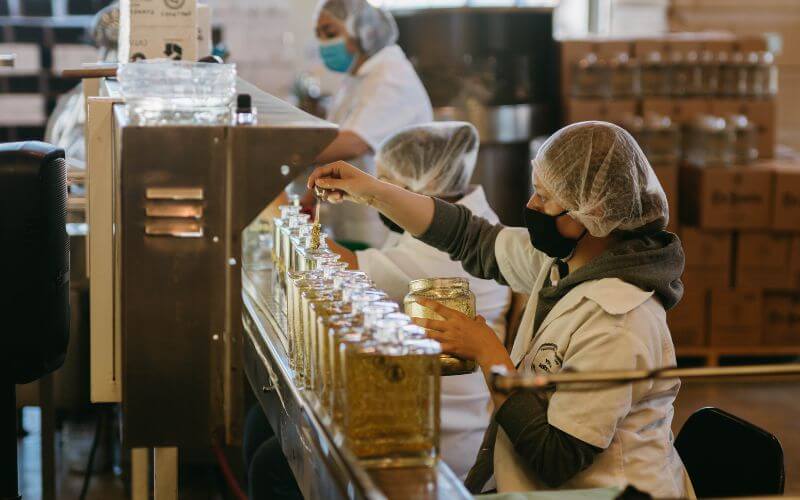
(552, 454)
(466, 238)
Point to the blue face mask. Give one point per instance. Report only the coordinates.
(335, 55)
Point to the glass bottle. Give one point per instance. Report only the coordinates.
(660, 139)
(391, 402)
(654, 78)
(732, 75)
(624, 76)
(450, 292)
(746, 140)
(709, 73)
(694, 73)
(679, 75)
(710, 142)
(590, 77)
(761, 75)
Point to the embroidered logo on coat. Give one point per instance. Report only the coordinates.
(547, 359)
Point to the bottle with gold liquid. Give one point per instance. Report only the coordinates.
(299, 288)
(310, 299)
(324, 266)
(392, 391)
(335, 329)
(453, 293)
(291, 229)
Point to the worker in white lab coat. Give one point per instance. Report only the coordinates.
(601, 271)
(437, 159)
(380, 94)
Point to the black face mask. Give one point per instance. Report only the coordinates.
(545, 236)
(392, 225)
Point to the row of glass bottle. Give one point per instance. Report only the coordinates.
(708, 140)
(370, 373)
(705, 73)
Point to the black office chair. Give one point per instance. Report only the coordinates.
(726, 456)
(34, 281)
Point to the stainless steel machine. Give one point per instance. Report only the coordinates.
(498, 69)
(167, 207)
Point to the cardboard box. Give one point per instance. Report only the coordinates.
(762, 260)
(781, 319)
(681, 111)
(736, 317)
(157, 29)
(614, 111)
(727, 197)
(709, 258)
(762, 113)
(786, 199)
(751, 43)
(668, 177)
(688, 321)
(794, 267)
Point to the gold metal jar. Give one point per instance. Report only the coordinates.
(450, 292)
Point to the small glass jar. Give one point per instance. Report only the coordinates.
(318, 289)
(654, 75)
(680, 75)
(746, 142)
(342, 331)
(285, 211)
(391, 402)
(762, 75)
(450, 292)
(710, 142)
(709, 74)
(624, 77)
(660, 139)
(694, 73)
(590, 77)
(732, 74)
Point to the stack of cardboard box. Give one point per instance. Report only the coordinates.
(740, 225)
(741, 235)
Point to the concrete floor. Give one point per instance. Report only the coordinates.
(775, 406)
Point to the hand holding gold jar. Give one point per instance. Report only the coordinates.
(450, 292)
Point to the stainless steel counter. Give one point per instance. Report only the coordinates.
(323, 468)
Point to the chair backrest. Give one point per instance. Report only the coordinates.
(726, 456)
(34, 261)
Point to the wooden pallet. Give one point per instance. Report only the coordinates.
(713, 354)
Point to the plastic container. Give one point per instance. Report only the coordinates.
(163, 92)
(453, 293)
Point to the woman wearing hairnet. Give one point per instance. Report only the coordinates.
(601, 271)
(437, 160)
(381, 94)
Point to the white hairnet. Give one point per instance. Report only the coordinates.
(597, 172)
(373, 27)
(436, 159)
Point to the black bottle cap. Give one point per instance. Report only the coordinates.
(244, 103)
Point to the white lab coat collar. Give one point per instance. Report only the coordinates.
(613, 295)
(386, 54)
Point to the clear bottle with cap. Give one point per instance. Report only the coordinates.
(746, 140)
(290, 230)
(391, 400)
(624, 77)
(762, 75)
(450, 292)
(709, 73)
(679, 75)
(590, 77)
(286, 211)
(732, 74)
(654, 75)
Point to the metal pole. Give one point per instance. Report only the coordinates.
(507, 383)
(47, 405)
(9, 480)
